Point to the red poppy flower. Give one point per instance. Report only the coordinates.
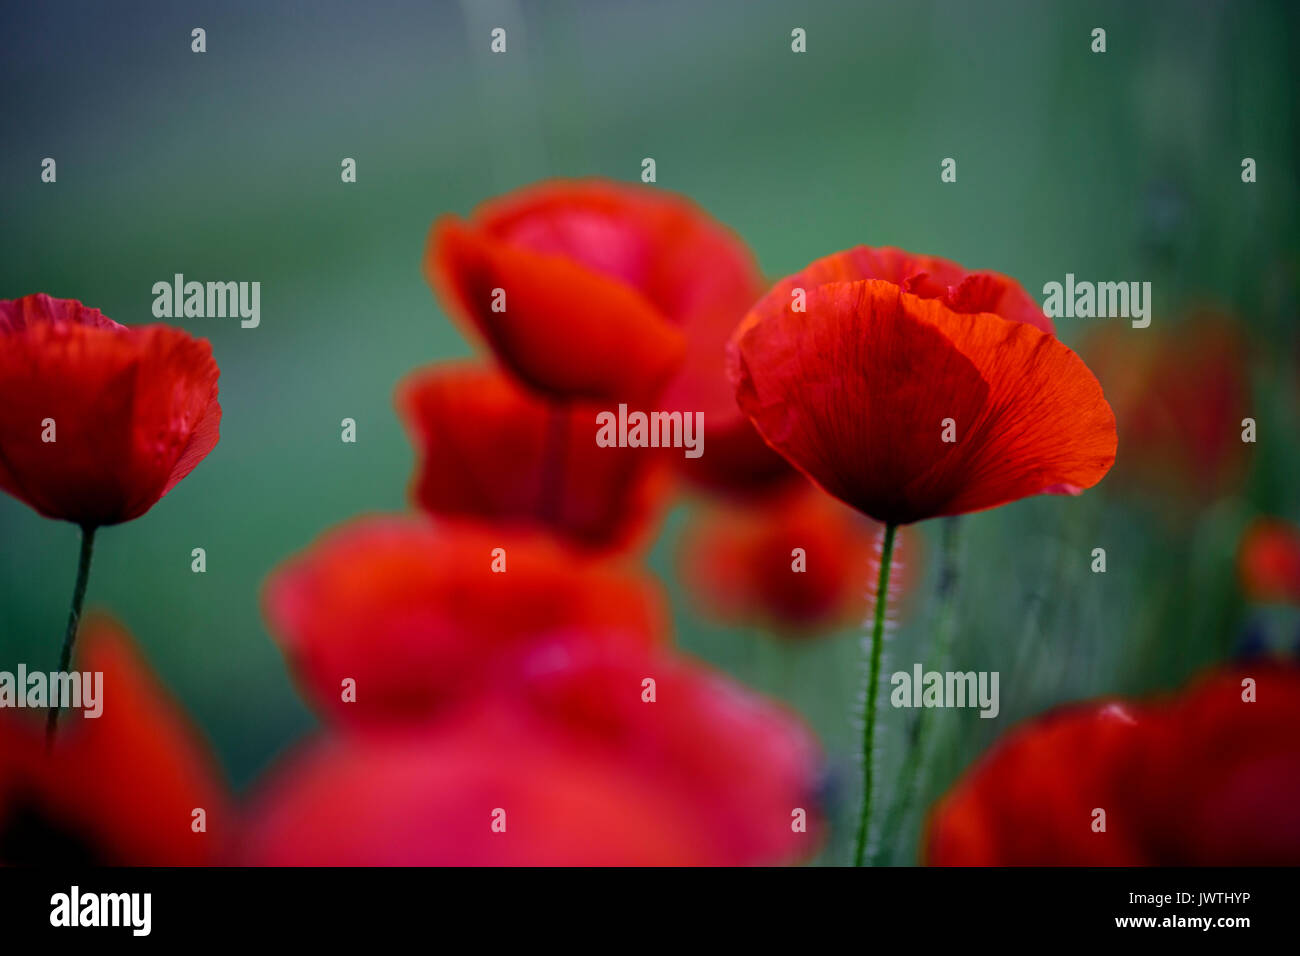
(415, 614)
(1030, 800)
(575, 765)
(1269, 561)
(612, 293)
(119, 789)
(603, 283)
(490, 450)
(98, 421)
(1180, 395)
(908, 410)
(794, 561)
(1206, 778)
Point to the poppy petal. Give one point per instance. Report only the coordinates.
(928, 277)
(415, 614)
(1207, 777)
(609, 289)
(491, 451)
(564, 329)
(571, 763)
(1031, 799)
(744, 764)
(442, 800)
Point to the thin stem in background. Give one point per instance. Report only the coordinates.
(74, 618)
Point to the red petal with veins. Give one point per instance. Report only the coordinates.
(860, 391)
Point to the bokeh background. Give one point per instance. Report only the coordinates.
(225, 166)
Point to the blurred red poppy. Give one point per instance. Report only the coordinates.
(793, 561)
(748, 767)
(603, 282)
(739, 467)
(98, 421)
(1180, 395)
(490, 450)
(415, 615)
(906, 409)
(1209, 777)
(118, 789)
(1268, 561)
(430, 800)
(571, 764)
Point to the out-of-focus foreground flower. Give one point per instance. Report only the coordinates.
(118, 789)
(538, 693)
(565, 762)
(1208, 777)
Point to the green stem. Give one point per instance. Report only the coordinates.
(916, 763)
(873, 692)
(74, 618)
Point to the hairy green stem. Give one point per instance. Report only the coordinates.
(916, 763)
(873, 692)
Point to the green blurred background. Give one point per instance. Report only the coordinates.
(225, 166)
